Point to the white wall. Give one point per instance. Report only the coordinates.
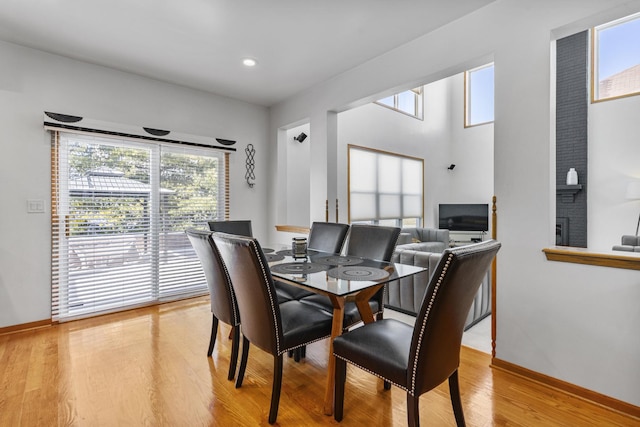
(298, 177)
(32, 82)
(614, 161)
(472, 153)
(573, 322)
(440, 139)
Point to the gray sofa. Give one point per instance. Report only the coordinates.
(406, 295)
(629, 244)
(423, 239)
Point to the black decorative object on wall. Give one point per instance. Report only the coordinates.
(58, 121)
(225, 141)
(64, 118)
(157, 132)
(250, 163)
(300, 137)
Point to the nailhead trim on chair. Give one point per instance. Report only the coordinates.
(424, 323)
(273, 308)
(380, 310)
(415, 362)
(458, 251)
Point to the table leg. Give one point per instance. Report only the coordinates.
(362, 302)
(336, 330)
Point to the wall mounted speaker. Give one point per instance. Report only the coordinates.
(300, 137)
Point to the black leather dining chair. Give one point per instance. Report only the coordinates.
(223, 301)
(372, 241)
(366, 241)
(327, 236)
(272, 327)
(324, 237)
(419, 358)
(239, 227)
(243, 228)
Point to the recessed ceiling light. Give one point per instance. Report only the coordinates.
(249, 62)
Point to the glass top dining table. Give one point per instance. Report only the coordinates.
(342, 278)
(334, 274)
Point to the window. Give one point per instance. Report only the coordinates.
(384, 188)
(408, 102)
(119, 211)
(478, 95)
(616, 59)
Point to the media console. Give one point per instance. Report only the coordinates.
(462, 238)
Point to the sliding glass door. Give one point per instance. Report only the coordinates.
(120, 208)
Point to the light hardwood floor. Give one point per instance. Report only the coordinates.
(148, 367)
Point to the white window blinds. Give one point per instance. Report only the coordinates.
(119, 211)
(384, 185)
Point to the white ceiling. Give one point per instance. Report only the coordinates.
(201, 43)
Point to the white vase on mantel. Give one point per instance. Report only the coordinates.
(572, 177)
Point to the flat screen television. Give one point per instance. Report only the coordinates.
(463, 217)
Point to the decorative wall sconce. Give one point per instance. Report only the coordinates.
(250, 164)
(300, 137)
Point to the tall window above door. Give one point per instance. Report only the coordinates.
(385, 188)
(478, 95)
(616, 59)
(409, 102)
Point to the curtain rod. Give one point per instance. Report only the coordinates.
(59, 126)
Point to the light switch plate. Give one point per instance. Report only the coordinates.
(35, 206)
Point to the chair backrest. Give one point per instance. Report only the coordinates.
(223, 300)
(254, 289)
(433, 235)
(237, 227)
(437, 336)
(372, 241)
(327, 236)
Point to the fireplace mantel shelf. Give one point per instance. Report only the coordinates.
(568, 192)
